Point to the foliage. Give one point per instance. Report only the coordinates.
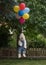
(4, 36)
(34, 26)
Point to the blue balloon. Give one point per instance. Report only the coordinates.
(26, 10)
(20, 13)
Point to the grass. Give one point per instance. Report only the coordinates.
(22, 62)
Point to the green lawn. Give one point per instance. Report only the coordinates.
(22, 62)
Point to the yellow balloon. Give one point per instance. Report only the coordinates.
(16, 8)
(26, 16)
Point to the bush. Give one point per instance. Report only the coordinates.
(36, 44)
(4, 36)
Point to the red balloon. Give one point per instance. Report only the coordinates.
(22, 6)
(21, 20)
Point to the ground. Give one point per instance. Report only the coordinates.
(22, 62)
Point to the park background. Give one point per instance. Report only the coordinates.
(34, 27)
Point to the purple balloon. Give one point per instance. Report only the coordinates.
(21, 20)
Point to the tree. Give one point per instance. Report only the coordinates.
(37, 22)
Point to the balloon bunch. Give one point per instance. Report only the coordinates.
(21, 12)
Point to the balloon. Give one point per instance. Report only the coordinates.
(26, 10)
(26, 16)
(17, 16)
(16, 8)
(20, 13)
(21, 20)
(22, 6)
